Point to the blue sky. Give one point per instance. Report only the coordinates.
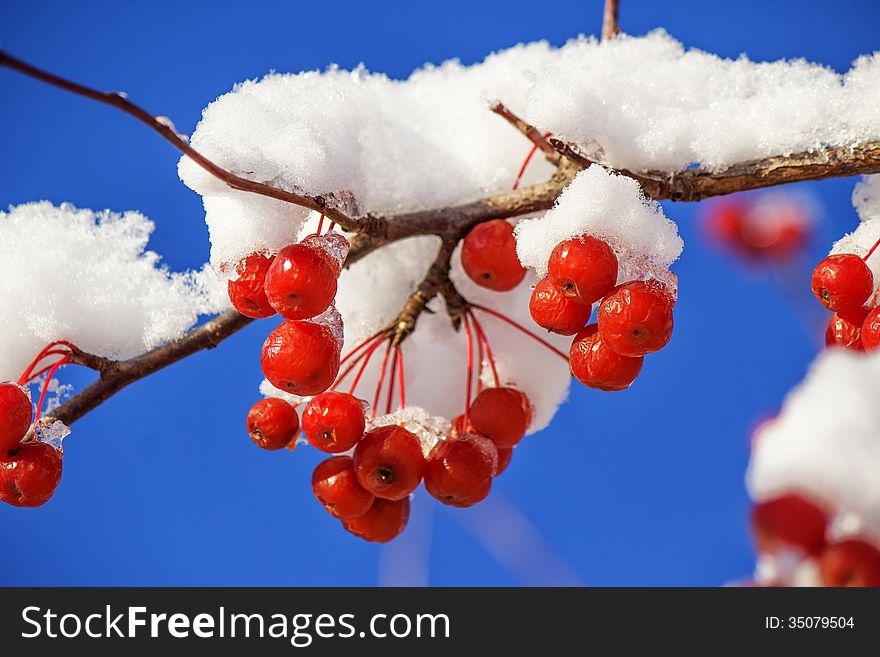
(161, 484)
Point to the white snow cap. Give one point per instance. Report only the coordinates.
(612, 208)
(84, 276)
(826, 441)
(866, 200)
(429, 141)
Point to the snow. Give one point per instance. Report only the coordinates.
(825, 443)
(612, 208)
(87, 277)
(430, 140)
(866, 200)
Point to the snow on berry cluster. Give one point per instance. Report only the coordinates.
(429, 141)
(87, 277)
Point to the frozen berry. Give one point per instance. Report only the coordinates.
(301, 283)
(597, 365)
(554, 311)
(636, 318)
(845, 328)
(248, 292)
(15, 416)
(459, 470)
(272, 423)
(301, 358)
(789, 520)
(336, 486)
(501, 414)
(584, 268)
(334, 421)
(842, 282)
(385, 520)
(389, 462)
(852, 562)
(870, 333)
(488, 256)
(504, 456)
(30, 474)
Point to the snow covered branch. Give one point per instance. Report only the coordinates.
(165, 128)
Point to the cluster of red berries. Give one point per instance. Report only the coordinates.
(792, 523)
(29, 471)
(368, 481)
(758, 232)
(843, 283)
(633, 319)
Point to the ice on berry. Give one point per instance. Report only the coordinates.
(268, 390)
(610, 207)
(88, 277)
(50, 431)
(333, 244)
(430, 429)
(825, 443)
(333, 321)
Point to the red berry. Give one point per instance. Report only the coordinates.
(488, 256)
(248, 292)
(845, 328)
(337, 488)
(384, 521)
(870, 333)
(850, 563)
(584, 268)
(30, 474)
(459, 470)
(504, 456)
(597, 365)
(842, 282)
(301, 358)
(301, 283)
(389, 462)
(636, 318)
(458, 427)
(554, 311)
(334, 422)
(789, 520)
(15, 416)
(272, 423)
(723, 221)
(503, 415)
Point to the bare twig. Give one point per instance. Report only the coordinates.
(166, 130)
(531, 132)
(610, 26)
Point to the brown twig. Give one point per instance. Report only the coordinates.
(531, 132)
(610, 26)
(324, 204)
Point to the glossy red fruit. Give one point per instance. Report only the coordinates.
(385, 520)
(842, 282)
(248, 292)
(789, 521)
(850, 563)
(389, 462)
(334, 421)
(597, 365)
(504, 456)
(336, 486)
(554, 311)
(870, 333)
(584, 268)
(30, 474)
(459, 470)
(458, 427)
(488, 256)
(501, 414)
(301, 358)
(845, 328)
(301, 283)
(636, 318)
(15, 416)
(272, 423)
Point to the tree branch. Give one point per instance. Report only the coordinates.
(326, 204)
(531, 132)
(610, 27)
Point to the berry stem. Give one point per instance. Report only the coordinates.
(391, 382)
(49, 376)
(44, 352)
(366, 361)
(380, 381)
(45, 369)
(401, 377)
(485, 341)
(375, 336)
(521, 328)
(873, 248)
(525, 163)
(372, 339)
(320, 225)
(480, 359)
(331, 227)
(469, 339)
